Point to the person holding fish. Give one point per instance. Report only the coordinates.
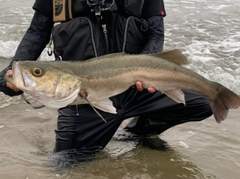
(92, 28)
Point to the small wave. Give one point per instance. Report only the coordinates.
(8, 49)
(6, 100)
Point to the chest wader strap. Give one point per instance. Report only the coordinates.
(62, 10)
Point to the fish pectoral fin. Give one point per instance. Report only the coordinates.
(93, 107)
(105, 105)
(176, 94)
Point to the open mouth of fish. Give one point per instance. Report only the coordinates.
(21, 79)
(18, 78)
(9, 79)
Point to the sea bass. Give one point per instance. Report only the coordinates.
(60, 83)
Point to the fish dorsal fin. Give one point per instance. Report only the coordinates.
(174, 56)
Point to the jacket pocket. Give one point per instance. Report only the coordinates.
(131, 34)
(79, 39)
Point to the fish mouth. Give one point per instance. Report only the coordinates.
(9, 78)
(21, 79)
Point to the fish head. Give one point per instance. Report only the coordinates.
(46, 82)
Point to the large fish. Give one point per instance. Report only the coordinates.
(60, 83)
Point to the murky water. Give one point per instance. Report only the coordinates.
(208, 33)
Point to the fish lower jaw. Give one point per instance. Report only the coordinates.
(60, 100)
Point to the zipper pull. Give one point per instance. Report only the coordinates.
(104, 26)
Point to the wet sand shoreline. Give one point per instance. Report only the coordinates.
(28, 140)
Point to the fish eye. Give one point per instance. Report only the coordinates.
(37, 72)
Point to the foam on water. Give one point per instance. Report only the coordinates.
(7, 49)
(209, 35)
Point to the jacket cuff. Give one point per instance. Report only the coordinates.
(9, 91)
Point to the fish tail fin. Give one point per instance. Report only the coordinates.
(225, 100)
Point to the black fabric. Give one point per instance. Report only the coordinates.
(80, 8)
(81, 128)
(143, 8)
(44, 6)
(81, 38)
(137, 39)
(9, 91)
(130, 7)
(153, 8)
(131, 34)
(133, 7)
(155, 35)
(134, 35)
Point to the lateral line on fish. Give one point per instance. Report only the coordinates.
(84, 96)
